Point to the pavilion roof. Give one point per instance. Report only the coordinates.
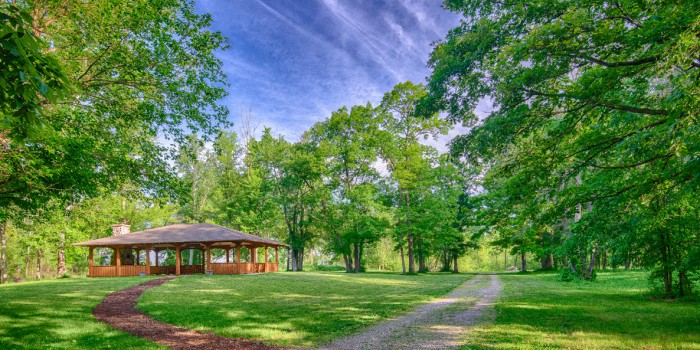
(180, 234)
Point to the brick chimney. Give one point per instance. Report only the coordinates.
(121, 229)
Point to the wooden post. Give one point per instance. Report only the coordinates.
(267, 258)
(254, 254)
(177, 260)
(228, 251)
(148, 261)
(90, 263)
(138, 257)
(277, 256)
(118, 253)
(208, 259)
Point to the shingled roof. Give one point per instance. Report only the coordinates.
(180, 234)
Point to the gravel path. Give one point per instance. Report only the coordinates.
(119, 311)
(437, 325)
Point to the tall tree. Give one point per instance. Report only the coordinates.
(404, 155)
(348, 143)
(595, 112)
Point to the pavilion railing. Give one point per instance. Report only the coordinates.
(103, 271)
(162, 270)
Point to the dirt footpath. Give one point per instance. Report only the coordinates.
(437, 325)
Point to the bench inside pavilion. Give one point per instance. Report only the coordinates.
(137, 253)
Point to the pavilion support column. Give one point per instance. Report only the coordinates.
(90, 262)
(208, 259)
(238, 259)
(277, 255)
(267, 258)
(228, 251)
(138, 256)
(148, 261)
(177, 260)
(118, 253)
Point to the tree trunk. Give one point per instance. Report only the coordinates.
(357, 257)
(591, 264)
(61, 269)
(421, 257)
(26, 264)
(411, 256)
(523, 261)
(37, 275)
(548, 262)
(456, 267)
(403, 262)
(665, 262)
(348, 263)
(605, 260)
(3, 253)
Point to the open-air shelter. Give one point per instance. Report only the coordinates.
(128, 247)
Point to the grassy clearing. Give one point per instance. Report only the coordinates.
(302, 309)
(58, 314)
(536, 311)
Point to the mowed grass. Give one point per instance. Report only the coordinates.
(298, 309)
(536, 311)
(58, 314)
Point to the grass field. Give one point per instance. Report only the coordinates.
(58, 314)
(301, 309)
(536, 311)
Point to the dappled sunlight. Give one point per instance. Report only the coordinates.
(301, 309)
(57, 314)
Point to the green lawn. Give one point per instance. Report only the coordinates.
(537, 311)
(58, 314)
(301, 309)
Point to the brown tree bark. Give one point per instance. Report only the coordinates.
(37, 275)
(456, 267)
(357, 257)
(61, 268)
(523, 261)
(411, 256)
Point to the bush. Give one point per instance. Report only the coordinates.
(327, 268)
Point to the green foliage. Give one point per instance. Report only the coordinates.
(591, 145)
(29, 77)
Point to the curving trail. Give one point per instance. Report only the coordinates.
(119, 311)
(441, 324)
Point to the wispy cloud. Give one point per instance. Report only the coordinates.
(293, 63)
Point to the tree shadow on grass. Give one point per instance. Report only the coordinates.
(58, 314)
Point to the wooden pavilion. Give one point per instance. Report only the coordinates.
(127, 248)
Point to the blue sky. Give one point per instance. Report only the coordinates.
(294, 62)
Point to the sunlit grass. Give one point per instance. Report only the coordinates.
(536, 311)
(58, 314)
(302, 309)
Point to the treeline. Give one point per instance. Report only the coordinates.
(326, 191)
